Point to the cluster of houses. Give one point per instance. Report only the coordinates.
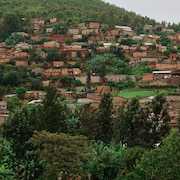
(166, 70)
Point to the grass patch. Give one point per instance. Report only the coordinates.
(133, 93)
(137, 93)
(80, 43)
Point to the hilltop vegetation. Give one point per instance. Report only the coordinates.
(80, 10)
(20, 13)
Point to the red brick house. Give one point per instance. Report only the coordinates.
(94, 25)
(60, 38)
(21, 63)
(147, 77)
(58, 63)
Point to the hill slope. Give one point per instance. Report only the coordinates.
(81, 10)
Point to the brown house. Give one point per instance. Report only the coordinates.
(51, 44)
(151, 38)
(60, 38)
(58, 63)
(85, 31)
(76, 37)
(69, 94)
(52, 72)
(4, 59)
(46, 83)
(109, 38)
(173, 56)
(21, 63)
(114, 32)
(38, 70)
(73, 31)
(34, 94)
(103, 89)
(94, 25)
(147, 27)
(175, 77)
(71, 72)
(167, 66)
(53, 20)
(21, 55)
(147, 77)
(139, 54)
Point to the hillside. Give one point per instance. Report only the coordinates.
(81, 10)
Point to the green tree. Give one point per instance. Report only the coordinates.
(52, 54)
(53, 112)
(36, 83)
(104, 119)
(138, 126)
(17, 130)
(13, 103)
(105, 163)
(21, 73)
(68, 41)
(66, 80)
(78, 54)
(164, 40)
(61, 153)
(87, 124)
(103, 64)
(128, 41)
(7, 161)
(85, 37)
(88, 79)
(11, 22)
(118, 51)
(20, 91)
(159, 118)
(2, 92)
(156, 163)
(170, 49)
(30, 167)
(10, 78)
(129, 127)
(14, 39)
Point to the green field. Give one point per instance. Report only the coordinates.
(133, 93)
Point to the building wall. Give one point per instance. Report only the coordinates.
(58, 63)
(175, 80)
(139, 54)
(161, 66)
(21, 63)
(147, 77)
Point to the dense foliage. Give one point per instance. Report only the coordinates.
(16, 14)
(38, 149)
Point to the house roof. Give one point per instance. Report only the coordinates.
(161, 72)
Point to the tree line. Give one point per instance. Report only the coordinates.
(17, 16)
(51, 140)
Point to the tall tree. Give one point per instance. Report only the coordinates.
(18, 130)
(11, 21)
(129, 127)
(54, 112)
(159, 118)
(142, 126)
(104, 119)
